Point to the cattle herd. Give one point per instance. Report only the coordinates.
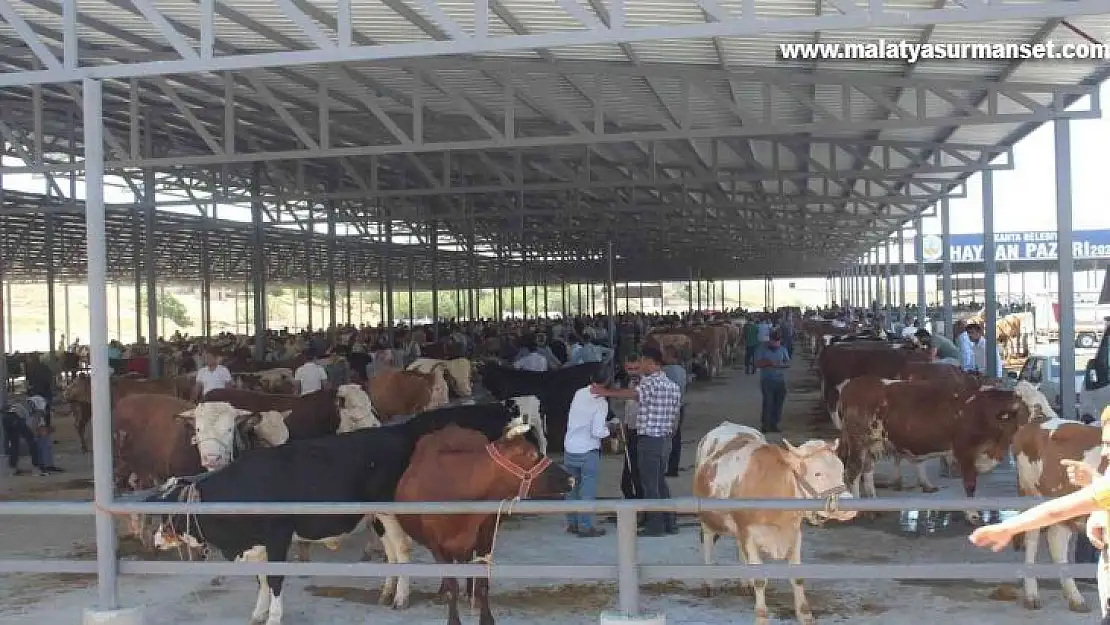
(422, 434)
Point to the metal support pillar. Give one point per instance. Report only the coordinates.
(108, 610)
(258, 268)
(902, 273)
(888, 277)
(868, 273)
(1066, 270)
(152, 303)
(578, 300)
(563, 298)
(5, 317)
(137, 260)
(433, 243)
(332, 321)
(308, 268)
(990, 266)
(919, 257)
(51, 304)
(546, 299)
(387, 259)
(946, 265)
(347, 284)
(611, 308)
(205, 282)
(410, 270)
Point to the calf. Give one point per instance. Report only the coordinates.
(1039, 448)
(360, 466)
(455, 464)
(928, 419)
(736, 462)
(396, 393)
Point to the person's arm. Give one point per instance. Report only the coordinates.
(598, 425)
(616, 393)
(1081, 502)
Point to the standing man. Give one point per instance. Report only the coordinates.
(586, 427)
(677, 374)
(311, 376)
(659, 402)
(20, 421)
(772, 359)
(751, 343)
(764, 333)
(212, 375)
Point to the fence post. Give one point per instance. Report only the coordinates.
(628, 576)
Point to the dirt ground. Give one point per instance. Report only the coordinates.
(909, 537)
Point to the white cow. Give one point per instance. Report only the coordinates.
(458, 372)
(736, 462)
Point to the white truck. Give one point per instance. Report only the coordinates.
(1090, 321)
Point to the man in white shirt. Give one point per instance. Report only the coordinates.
(211, 376)
(311, 376)
(586, 427)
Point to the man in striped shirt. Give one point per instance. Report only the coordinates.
(659, 400)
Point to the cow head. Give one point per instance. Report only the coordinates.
(820, 475)
(355, 409)
(459, 372)
(529, 410)
(440, 393)
(533, 474)
(1040, 409)
(214, 429)
(175, 531)
(269, 427)
(990, 420)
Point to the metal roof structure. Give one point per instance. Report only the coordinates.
(534, 132)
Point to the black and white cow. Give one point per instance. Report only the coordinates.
(359, 466)
(555, 390)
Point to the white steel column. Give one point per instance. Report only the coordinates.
(107, 611)
(990, 273)
(902, 272)
(946, 265)
(919, 256)
(1066, 256)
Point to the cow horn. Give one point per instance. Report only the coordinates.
(517, 430)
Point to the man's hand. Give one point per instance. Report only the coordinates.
(1096, 529)
(599, 390)
(1079, 473)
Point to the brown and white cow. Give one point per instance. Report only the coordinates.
(79, 394)
(1039, 448)
(921, 420)
(396, 393)
(736, 462)
(459, 372)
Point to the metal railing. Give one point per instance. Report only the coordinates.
(627, 571)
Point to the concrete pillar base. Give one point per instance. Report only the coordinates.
(619, 618)
(121, 616)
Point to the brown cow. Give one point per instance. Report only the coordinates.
(79, 394)
(917, 421)
(1039, 448)
(395, 393)
(455, 464)
(843, 361)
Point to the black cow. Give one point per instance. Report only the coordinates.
(555, 390)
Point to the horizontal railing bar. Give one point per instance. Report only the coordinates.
(47, 508)
(682, 504)
(847, 570)
(938, 570)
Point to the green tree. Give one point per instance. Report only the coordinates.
(171, 308)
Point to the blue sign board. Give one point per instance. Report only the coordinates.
(1032, 245)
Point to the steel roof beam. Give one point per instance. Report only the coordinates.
(875, 14)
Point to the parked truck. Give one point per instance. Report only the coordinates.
(1090, 321)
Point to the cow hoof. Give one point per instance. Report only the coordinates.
(1079, 606)
(1031, 603)
(929, 489)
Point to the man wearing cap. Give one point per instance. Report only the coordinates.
(772, 360)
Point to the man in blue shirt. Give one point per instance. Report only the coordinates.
(772, 360)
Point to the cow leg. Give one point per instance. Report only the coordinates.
(481, 591)
(1059, 539)
(398, 549)
(751, 556)
(452, 585)
(923, 477)
(1032, 600)
(898, 483)
(708, 540)
(801, 605)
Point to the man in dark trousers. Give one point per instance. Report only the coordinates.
(40, 383)
(772, 360)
